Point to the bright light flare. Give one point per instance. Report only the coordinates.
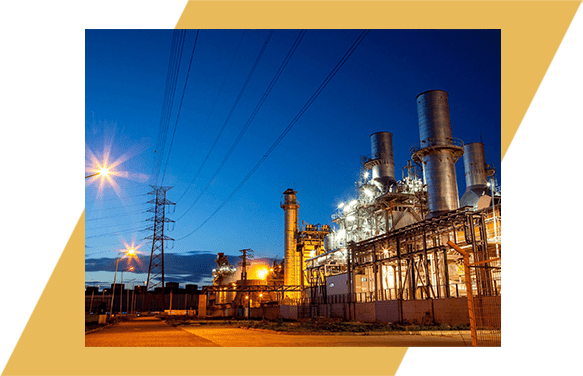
(131, 252)
(258, 271)
(103, 169)
(262, 273)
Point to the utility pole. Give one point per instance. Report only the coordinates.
(91, 305)
(156, 268)
(245, 254)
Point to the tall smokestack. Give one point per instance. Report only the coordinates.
(382, 163)
(292, 258)
(437, 152)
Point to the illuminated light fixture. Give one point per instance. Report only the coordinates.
(262, 273)
(341, 205)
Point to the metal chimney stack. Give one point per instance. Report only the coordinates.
(382, 162)
(437, 151)
(475, 165)
(292, 257)
(476, 174)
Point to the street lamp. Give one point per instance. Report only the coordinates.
(102, 171)
(130, 252)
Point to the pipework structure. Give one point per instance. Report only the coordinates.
(391, 241)
(415, 262)
(437, 152)
(382, 204)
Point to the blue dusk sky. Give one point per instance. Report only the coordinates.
(134, 76)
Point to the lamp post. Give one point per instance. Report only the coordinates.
(91, 304)
(121, 295)
(102, 171)
(130, 252)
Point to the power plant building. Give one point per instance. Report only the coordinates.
(390, 250)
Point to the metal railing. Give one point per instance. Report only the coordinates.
(434, 142)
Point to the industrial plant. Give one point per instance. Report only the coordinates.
(408, 250)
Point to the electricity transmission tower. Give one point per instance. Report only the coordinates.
(156, 268)
(245, 255)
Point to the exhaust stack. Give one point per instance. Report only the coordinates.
(382, 163)
(476, 173)
(437, 152)
(292, 266)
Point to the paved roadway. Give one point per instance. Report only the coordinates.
(146, 331)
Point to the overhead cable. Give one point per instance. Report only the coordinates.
(179, 109)
(251, 118)
(236, 100)
(288, 128)
(211, 112)
(168, 101)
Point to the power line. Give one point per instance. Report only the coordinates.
(121, 197)
(251, 118)
(209, 116)
(168, 101)
(116, 207)
(116, 232)
(116, 216)
(289, 127)
(102, 227)
(179, 108)
(236, 101)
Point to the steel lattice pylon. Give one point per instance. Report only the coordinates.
(156, 268)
